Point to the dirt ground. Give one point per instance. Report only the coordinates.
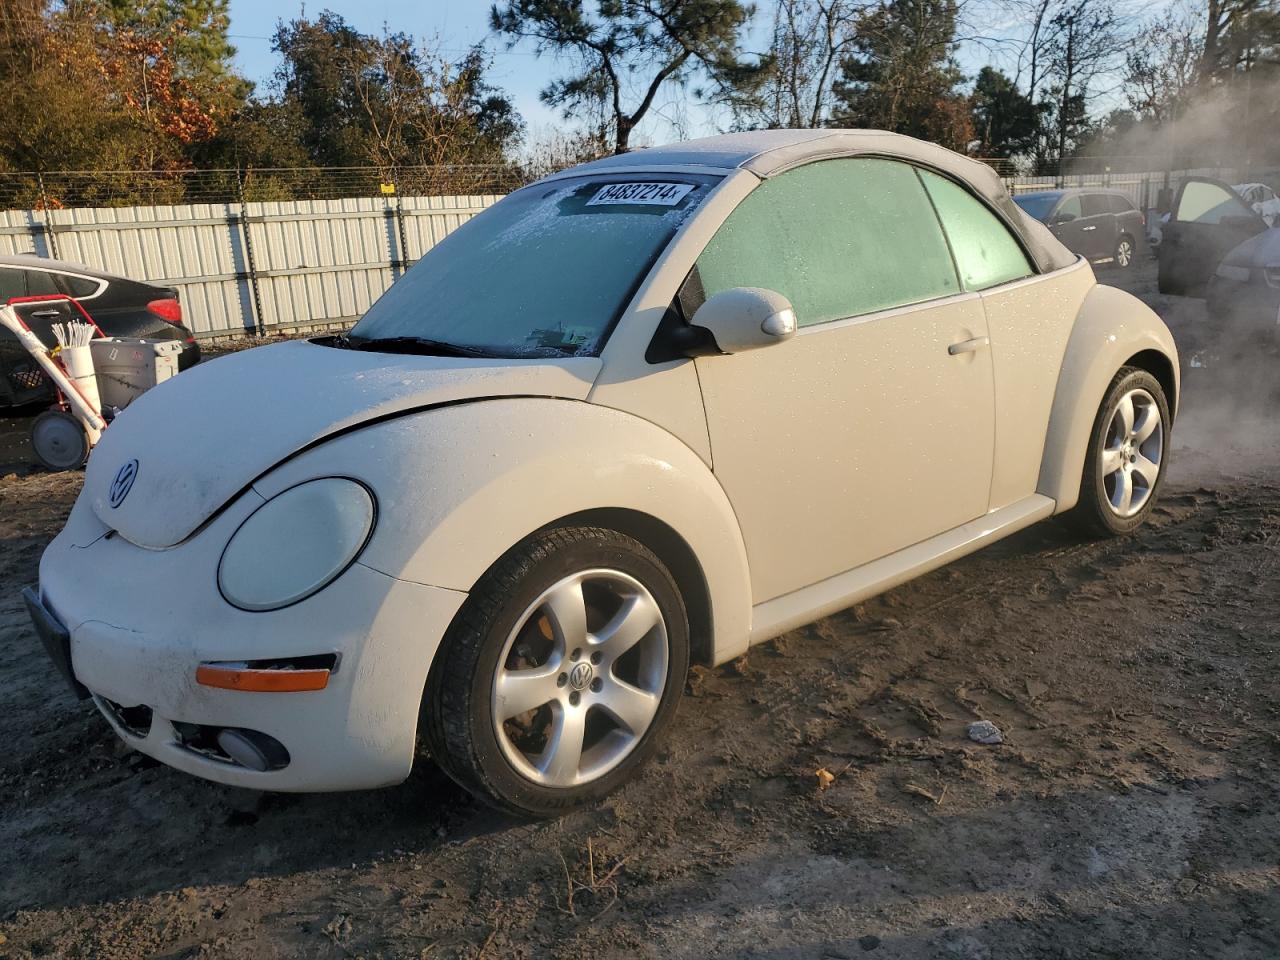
(1133, 811)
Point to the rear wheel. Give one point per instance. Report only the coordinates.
(1124, 252)
(560, 674)
(1128, 454)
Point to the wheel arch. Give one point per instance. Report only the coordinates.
(1163, 369)
(466, 483)
(1113, 329)
(676, 555)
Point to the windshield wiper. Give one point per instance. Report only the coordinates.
(423, 345)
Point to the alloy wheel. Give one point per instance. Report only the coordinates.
(580, 678)
(1133, 452)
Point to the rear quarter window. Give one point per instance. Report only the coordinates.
(1120, 205)
(78, 286)
(986, 253)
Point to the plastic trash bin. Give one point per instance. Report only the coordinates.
(127, 367)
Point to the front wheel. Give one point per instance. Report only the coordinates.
(560, 674)
(1127, 457)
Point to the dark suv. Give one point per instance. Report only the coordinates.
(1097, 224)
(121, 307)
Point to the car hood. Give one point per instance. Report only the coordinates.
(1262, 250)
(197, 440)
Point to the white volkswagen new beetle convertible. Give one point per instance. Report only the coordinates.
(647, 411)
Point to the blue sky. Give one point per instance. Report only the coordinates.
(454, 25)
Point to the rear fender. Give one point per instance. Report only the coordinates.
(1111, 328)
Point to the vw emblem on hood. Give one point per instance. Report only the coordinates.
(123, 483)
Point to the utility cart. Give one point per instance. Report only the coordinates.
(95, 377)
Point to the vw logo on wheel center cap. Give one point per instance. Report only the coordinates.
(580, 676)
(123, 483)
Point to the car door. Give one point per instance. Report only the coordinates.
(1029, 318)
(871, 429)
(1097, 226)
(1208, 220)
(1067, 224)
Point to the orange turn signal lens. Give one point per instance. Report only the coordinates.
(261, 681)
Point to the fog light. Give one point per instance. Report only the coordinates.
(253, 749)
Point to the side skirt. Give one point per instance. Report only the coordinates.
(775, 617)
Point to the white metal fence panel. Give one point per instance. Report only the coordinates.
(269, 265)
(194, 248)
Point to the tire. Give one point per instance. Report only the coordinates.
(59, 441)
(517, 632)
(1115, 463)
(1124, 252)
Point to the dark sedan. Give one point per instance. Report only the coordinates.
(119, 306)
(1216, 246)
(1098, 224)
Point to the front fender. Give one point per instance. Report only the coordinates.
(457, 486)
(1110, 329)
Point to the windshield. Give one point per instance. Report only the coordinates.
(1037, 204)
(545, 272)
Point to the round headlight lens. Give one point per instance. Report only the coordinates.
(296, 543)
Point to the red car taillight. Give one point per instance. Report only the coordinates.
(169, 310)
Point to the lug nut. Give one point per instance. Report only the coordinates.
(575, 697)
(597, 657)
(575, 655)
(562, 680)
(597, 685)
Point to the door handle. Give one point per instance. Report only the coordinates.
(46, 313)
(1087, 229)
(969, 346)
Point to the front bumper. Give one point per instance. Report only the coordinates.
(140, 621)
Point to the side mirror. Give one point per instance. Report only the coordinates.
(744, 318)
(1064, 217)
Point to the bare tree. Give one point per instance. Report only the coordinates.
(646, 43)
(1162, 66)
(1225, 23)
(809, 39)
(1083, 42)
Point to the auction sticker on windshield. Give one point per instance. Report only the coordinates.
(653, 194)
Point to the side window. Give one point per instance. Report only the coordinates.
(1203, 202)
(1070, 209)
(985, 251)
(40, 283)
(838, 238)
(1120, 204)
(12, 284)
(77, 286)
(1094, 204)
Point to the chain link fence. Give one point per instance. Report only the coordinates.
(69, 189)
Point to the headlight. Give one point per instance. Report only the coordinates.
(1229, 271)
(296, 543)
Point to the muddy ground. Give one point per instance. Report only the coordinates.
(1133, 811)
